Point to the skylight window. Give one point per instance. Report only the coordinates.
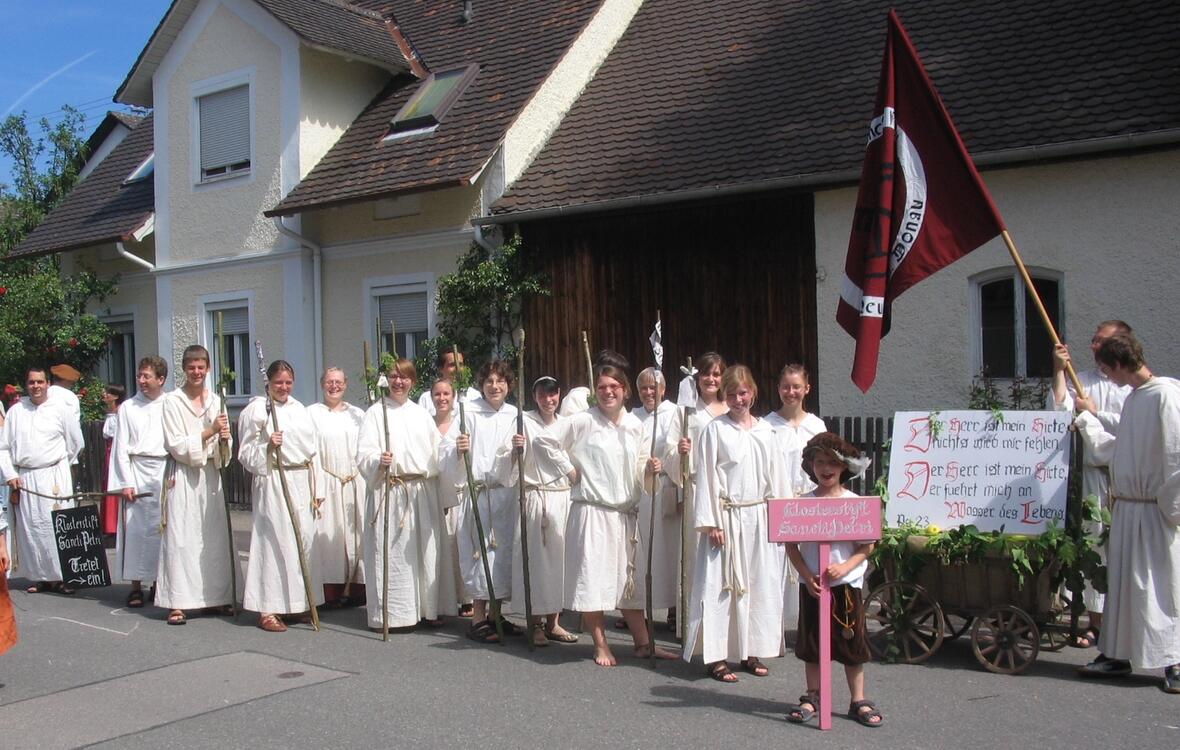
(143, 171)
(434, 97)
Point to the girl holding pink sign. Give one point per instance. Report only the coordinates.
(830, 462)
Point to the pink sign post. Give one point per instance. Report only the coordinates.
(825, 520)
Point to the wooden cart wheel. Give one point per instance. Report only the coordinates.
(1005, 640)
(903, 623)
(956, 625)
(1055, 632)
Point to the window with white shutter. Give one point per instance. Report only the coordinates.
(224, 132)
(403, 313)
(233, 318)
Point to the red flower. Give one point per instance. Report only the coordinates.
(82, 393)
(9, 389)
(73, 342)
(3, 291)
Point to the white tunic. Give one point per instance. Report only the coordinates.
(547, 507)
(1141, 621)
(791, 440)
(67, 399)
(1108, 400)
(138, 460)
(451, 497)
(274, 579)
(575, 401)
(415, 517)
(37, 445)
(338, 532)
(499, 507)
(736, 606)
(838, 553)
(601, 552)
(194, 550)
(666, 541)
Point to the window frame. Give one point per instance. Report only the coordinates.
(1021, 313)
(413, 283)
(129, 355)
(210, 304)
(427, 122)
(206, 87)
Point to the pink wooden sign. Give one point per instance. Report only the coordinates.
(825, 519)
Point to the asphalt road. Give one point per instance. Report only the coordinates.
(88, 672)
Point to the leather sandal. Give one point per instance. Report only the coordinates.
(864, 712)
(135, 599)
(721, 672)
(800, 713)
(271, 624)
(755, 667)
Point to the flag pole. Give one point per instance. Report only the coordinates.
(1032, 290)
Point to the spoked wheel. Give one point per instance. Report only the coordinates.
(1055, 633)
(956, 625)
(903, 623)
(1005, 640)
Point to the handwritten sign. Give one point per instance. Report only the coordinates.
(970, 467)
(79, 547)
(819, 519)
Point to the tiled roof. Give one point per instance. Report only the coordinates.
(101, 208)
(515, 42)
(704, 95)
(333, 25)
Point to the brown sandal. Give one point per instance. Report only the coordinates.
(755, 667)
(271, 624)
(721, 672)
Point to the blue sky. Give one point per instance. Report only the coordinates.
(75, 52)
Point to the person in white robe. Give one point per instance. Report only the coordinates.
(1141, 622)
(1107, 398)
(547, 504)
(665, 539)
(340, 528)
(447, 368)
(793, 426)
(491, 422)
(284, 442)
(398, 454)
(598, 450)
(138, 462)
(736, 607)
(195, 564)
(450, 498)
(38, 443)
(61, 392)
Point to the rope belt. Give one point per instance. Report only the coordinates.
(147, 455)
(630, 513)
(1120, 498)
(343, 480)
(733, 558)
(305, 466)
(543, 496)
(402, 481)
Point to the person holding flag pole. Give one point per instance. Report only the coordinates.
(921, 205)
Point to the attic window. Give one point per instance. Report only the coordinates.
(143, 171)
(434, 97)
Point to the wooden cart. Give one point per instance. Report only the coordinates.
(907, 621)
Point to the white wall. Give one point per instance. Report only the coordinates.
(1111, 225)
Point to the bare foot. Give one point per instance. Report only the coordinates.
(644, 652)
(603, 657)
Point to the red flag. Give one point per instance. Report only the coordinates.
(921, 204)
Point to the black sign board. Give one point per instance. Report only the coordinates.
(83, 557)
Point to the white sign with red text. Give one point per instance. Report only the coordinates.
(1004, 470)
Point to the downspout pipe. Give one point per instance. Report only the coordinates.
(124, 252)
(317, 289)
(481, 240)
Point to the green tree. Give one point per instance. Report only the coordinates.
(43, 316)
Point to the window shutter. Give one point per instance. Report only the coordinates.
(407, 310)
(233, 320)
(225, 128)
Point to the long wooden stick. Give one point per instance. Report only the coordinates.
(385, 523)
(651, 533)
(591, 399)
(1032, 290)
(278, 459)
(685, 540)
(225, 455)
(524, 527)
(493, 603)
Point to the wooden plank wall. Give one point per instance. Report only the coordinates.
(735, 276)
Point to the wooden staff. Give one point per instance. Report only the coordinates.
(524, 530)
(278, 459)
(682, 501)
(591, 399)
(493, 604)
(356, 521)
(365, 374)
(651, 519)
(1032, 290)
(223, 451)
(384, 392)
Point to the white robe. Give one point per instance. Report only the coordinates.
(575, 401)
(499, 507)
(666, 541)
(601, 550)
(194, 567)
(415, 516)
(736, 608)
(1108, 400)
(274, 578)
(340, 526)
(547, 507)
(138, 460)
(791, 440)
(451, 497)
(1141, 621)
(37, 445)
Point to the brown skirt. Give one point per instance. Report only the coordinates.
(846, 608)
(8, 634)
